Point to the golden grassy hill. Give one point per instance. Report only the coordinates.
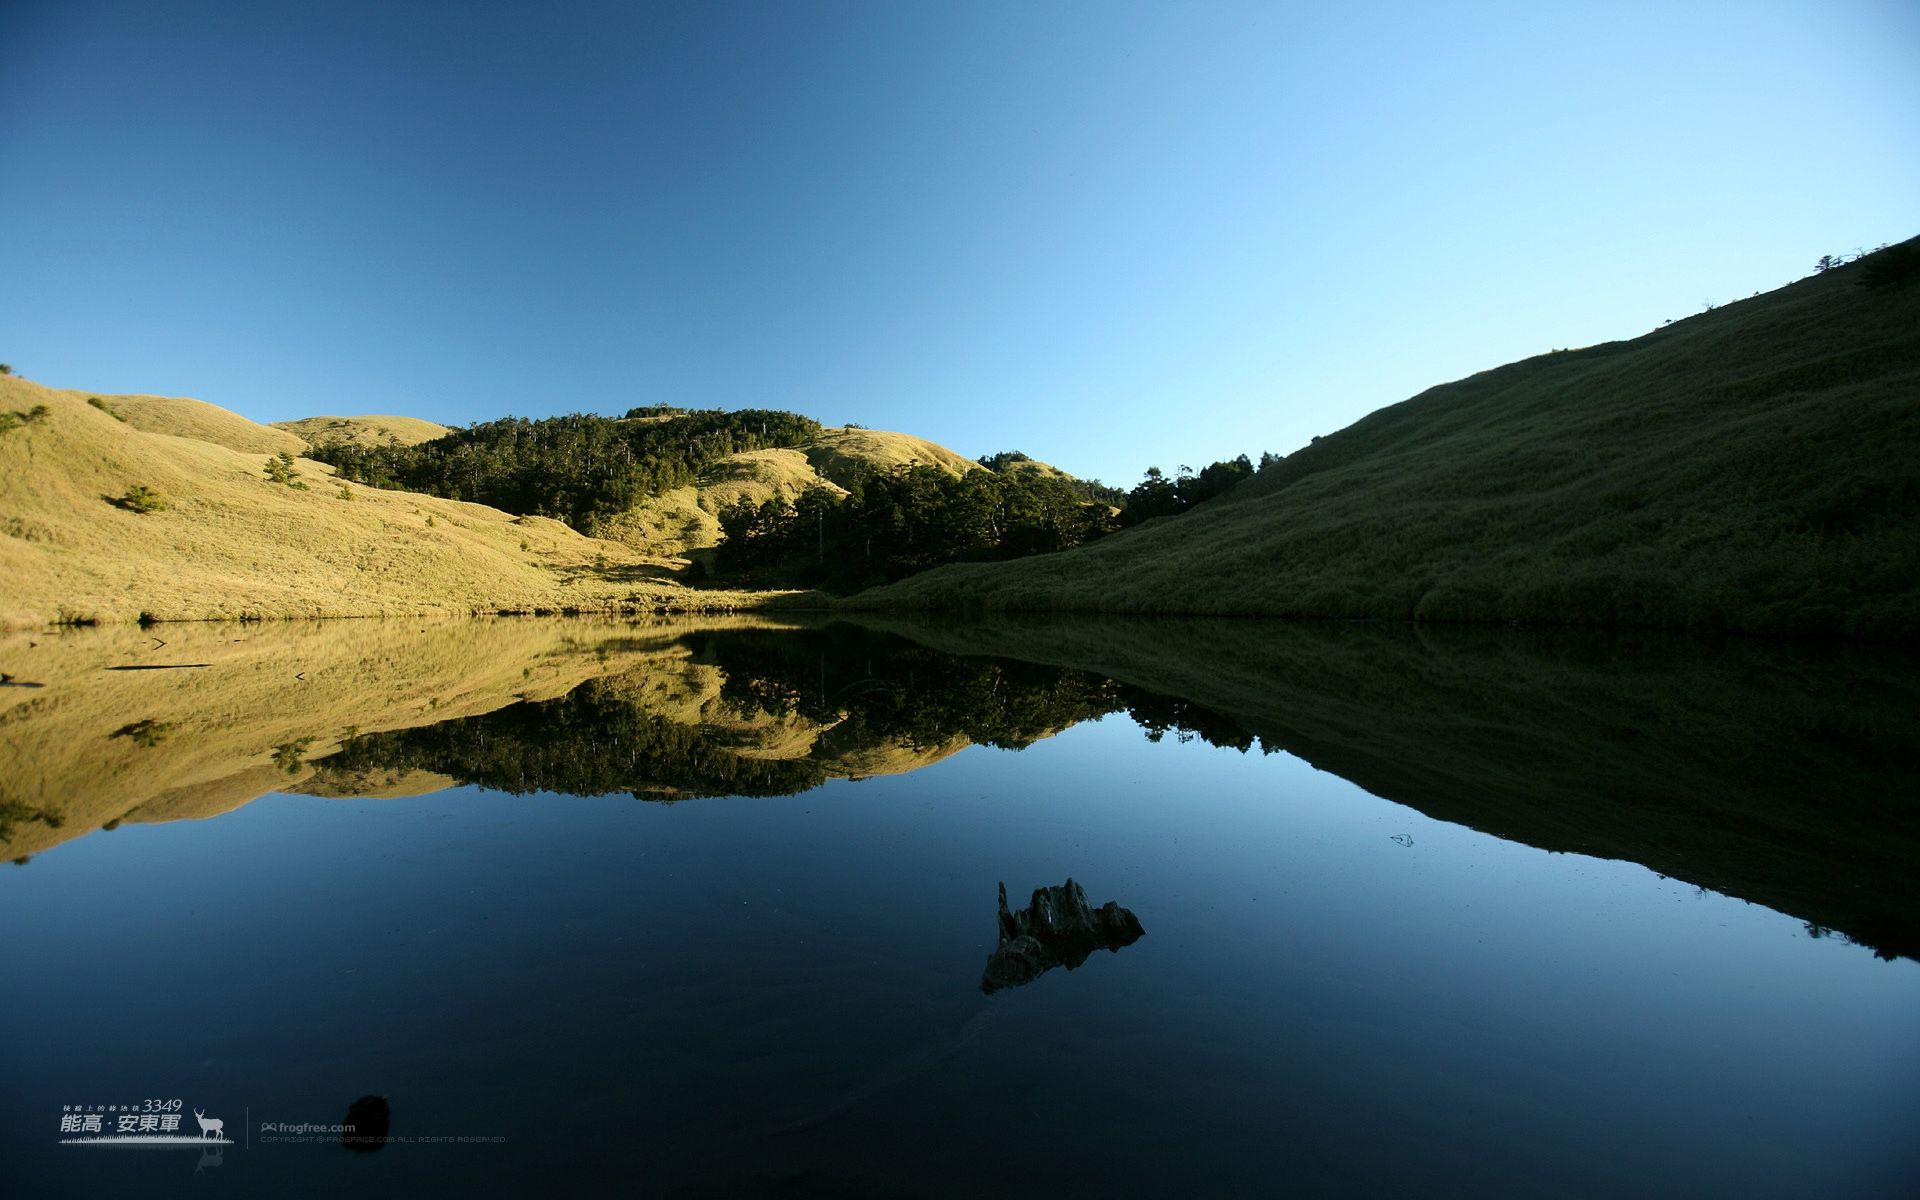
(196, 419)
(840, 454)
(231, 544)
(1750, 468)
(363, 431)
(683, 521)
(1033, 466)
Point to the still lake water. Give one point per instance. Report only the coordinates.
(706, 912)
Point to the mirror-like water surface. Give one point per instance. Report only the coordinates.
(717, 911)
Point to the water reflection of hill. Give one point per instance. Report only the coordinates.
(226, 713)
(237, 710)
(1779, 773)
(779, 713)
(1773, 773)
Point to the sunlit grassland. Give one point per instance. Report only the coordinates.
(681, 521)
(363, 431)
(216, 535)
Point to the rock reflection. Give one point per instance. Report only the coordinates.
(367, 1122)
(1057, 929)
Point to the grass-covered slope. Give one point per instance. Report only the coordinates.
(684, 520)
(363, 431)
(839, 454)
(1033, 466)
(178, 416)
(229, 542)
(1752, 468)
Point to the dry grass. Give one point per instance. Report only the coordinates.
(1033, 466)
(684, 521)
(177, 416)
(363, 431)
(674, 524)
(840, 454)
(231, 544)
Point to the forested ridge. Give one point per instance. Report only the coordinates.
(893, 524)
(580, 468)
(886, 524)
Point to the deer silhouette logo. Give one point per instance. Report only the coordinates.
(216, 1129)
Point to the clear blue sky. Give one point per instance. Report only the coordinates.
(1111, 235)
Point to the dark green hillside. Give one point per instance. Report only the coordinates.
(1756, 467)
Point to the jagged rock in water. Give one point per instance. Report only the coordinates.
(1058, 929)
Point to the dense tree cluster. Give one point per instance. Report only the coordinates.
(1159, 496)
(581, 468)
(1090, 490)
(892, 524)
(1003, 459)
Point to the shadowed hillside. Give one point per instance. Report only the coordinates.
(1755, 468)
